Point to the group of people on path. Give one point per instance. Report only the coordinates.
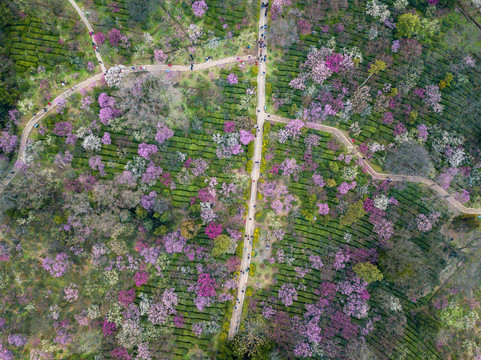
(94, 45)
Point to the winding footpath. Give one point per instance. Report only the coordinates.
(255, 173)
(352, 149)
(91, 82)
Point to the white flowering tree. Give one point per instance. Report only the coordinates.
(114, 75)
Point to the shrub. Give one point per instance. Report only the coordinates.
(409, 159)
(138, 10)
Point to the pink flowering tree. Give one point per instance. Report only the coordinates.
(71, 292)
(63, 160)
(108, 328)
(294, 128)
(199, 8)
(229, 126)
(232, 79)
(304, 26)
(126, 297)
(462, 196)
(425, 223)
(121, 353)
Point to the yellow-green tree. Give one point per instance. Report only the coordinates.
(221, 244)
(408, 24)
(368, 272)
(376, 67)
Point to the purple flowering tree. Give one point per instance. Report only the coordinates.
(146, 150)
(147, 201)
(232, 79)
(58, 266)
(174, 242)
(245, 137)
(95, 162)
(199, 8)
(287, 294)
(114, 37)
(106, 101)
(160, 56)
(106, 139)
(163, 133)
(8, 142)
(152, 173)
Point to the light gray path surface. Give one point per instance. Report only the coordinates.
(250, 222)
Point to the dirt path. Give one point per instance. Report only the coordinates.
(250, 220)
(341, 136)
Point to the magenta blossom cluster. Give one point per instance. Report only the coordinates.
(213, 230)
(126, 297)
(205, 285)
(141, 278)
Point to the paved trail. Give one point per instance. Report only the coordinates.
(91, 30)
(341, 136)
(250, 223)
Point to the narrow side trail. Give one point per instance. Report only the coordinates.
(91, 30)
(91, 82)
(341, 136)
(256, 160)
